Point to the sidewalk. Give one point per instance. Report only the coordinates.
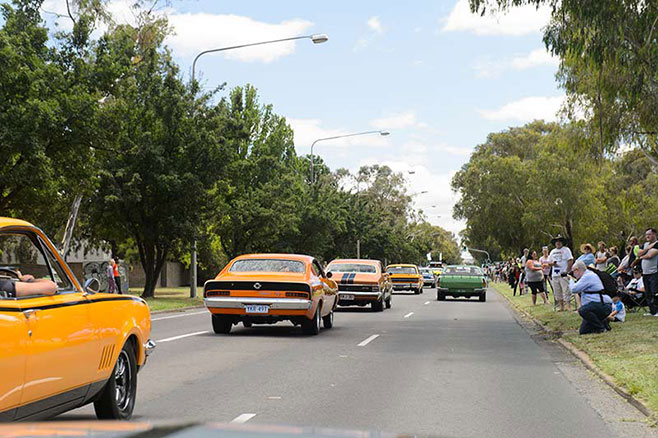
(628, 354)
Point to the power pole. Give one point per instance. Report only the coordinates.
(193, 279)
(358, 249)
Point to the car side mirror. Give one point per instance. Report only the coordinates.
(92, 286)
(329, 274)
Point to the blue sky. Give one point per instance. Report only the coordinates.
(437, 77)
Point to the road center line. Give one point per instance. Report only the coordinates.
(175, 338)
(243, 418)
(408, 314)
(178, 316)
(368, 340)
(426, 303)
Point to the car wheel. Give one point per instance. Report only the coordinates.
(117, 400)
(221, 324)
(312, 326)
(440, 296)
(247, 324)
(388, 302)
(378, 306)
(483, 297)
(328, 321)
(418, 291)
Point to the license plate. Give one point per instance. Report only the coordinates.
(461, 291)
(347, 297)
(253, 308)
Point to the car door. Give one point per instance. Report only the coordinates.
(13, 355)
(328, 286)
(60, 352)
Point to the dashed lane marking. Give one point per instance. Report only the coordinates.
(243, 418)
(175, 338)
(426, 303)
(408, 314)
(178, 316)
(368, 340)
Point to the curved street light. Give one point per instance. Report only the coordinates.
(316, 39)
(383, 133)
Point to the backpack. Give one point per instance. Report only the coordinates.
(609, 283)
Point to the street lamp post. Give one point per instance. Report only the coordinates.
(316, 39)
(382, 133)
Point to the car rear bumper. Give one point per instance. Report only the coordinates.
(359, 297)
(461, 292)
(405, 286)
(241, 302)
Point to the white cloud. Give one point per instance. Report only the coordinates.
(198, 31)
(404, 120)
(309, 130)
(489, 67)
(375, 25)
(527, 109)
(516, 22)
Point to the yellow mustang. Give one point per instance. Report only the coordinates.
(406, 277)
(62, 345)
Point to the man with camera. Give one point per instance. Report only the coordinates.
(561, 260)
(595, 304)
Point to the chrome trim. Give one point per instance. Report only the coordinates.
(241, 302)
(149, 347)
(360, 294)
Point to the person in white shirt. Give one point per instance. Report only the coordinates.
(561, 260)
(633, 292)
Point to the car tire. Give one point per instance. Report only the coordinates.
(117, 399)
(418, 291)
(312, 326)
(378, 306)
(388, 302)
(247, 324)
(328, 321)
(483, 297)
(221, 324)
(440, 296)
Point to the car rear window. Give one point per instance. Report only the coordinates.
(462, 270)
(351, 267)
(401, 270)
(268, 265)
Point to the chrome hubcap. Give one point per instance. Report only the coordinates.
(122, 381)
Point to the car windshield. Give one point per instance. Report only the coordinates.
(351, 267)
(268, 265)
(462, 270)
(401, 270)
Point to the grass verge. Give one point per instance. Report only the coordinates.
(629, 353)
(171, 298)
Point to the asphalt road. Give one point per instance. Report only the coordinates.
(453, 368)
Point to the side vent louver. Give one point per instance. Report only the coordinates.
(106, 357)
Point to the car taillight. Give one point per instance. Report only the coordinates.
(296, 295)
(218, 293)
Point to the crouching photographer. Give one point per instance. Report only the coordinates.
(596, 305)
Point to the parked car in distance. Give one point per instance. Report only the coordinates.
(268, 288)
(59, 352)
(462, 281)
(436, 267)
(361, 282)
(406, 277)
(429, 279)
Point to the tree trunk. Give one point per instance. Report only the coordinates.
(152, 258)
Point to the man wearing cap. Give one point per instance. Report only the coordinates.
(561, 260)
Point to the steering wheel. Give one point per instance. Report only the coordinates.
(10, 271)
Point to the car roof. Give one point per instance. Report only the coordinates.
(278, 256)
(357, 261)
(405, 265)
(12, 222)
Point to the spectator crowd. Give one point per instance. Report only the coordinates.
(600, 284)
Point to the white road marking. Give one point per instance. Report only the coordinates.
(274, 398)
(179, 316)
(243, 418)
(408, 314)
(368, 340)
(175, 338)
(426, 303)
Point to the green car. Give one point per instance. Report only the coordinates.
(462, 281)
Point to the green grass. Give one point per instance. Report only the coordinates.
(629, 353)
(171, 298)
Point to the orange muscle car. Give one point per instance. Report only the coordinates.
(267, 288)
(63, 350)
(406, 277)
(361, 282)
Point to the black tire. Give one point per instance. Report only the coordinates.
(388, 302)
(312, 326)
(378, 306)
(247, 324)
(418, 291)
(328, 321)
(117, 399)
(483, 297)
(440, 296)
(221, 324)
